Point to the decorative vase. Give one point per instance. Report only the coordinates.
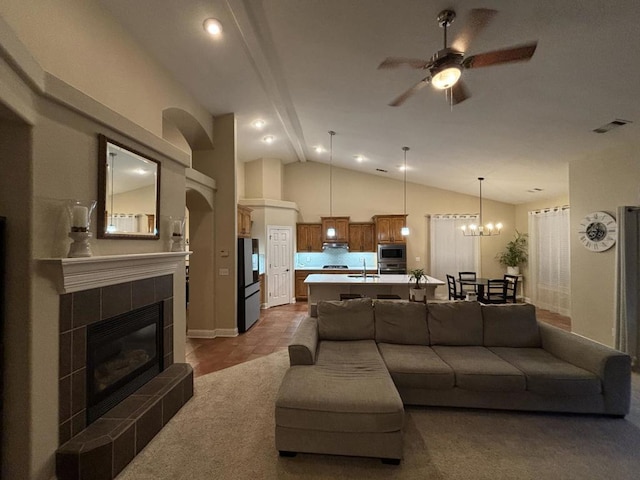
(417, 294)
(79, 213)
(177, 242)
(513, 270)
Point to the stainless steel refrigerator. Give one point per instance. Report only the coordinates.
(248, 284)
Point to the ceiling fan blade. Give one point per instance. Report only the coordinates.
(496, 57)
(459, 92)
(477, 21)
(394, 62)
(402, 98)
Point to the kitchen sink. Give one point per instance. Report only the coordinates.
(359, 275)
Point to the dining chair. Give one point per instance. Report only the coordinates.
(495, 291)
(453, 290)
(471, 276)
(511, 288)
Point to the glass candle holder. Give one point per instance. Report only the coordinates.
(176, 225)
(79, 214)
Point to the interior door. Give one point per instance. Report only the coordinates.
(279, 272)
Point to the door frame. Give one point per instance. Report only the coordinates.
(268, 262)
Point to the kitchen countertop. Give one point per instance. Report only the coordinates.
(350, 269)
(333, 279)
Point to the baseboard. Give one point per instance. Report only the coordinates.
(218, 332)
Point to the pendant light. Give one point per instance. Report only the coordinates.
(331, 231)
(112, 224)
(405, 230)
(481, 230)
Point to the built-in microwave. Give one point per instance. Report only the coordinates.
(392, 253)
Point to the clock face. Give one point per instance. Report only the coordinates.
(598, 231)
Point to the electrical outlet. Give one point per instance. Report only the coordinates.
(418, 259)
(223, 271)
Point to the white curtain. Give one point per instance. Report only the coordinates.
(451, 251)
(628, 282)
(549, 260)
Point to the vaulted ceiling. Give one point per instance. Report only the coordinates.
(309, 66)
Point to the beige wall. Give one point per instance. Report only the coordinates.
(82, 47)
(81, 43)
(601, 182)
(263, 179)
(360, 196)
(140, 200)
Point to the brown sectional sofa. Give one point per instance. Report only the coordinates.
(356, 365)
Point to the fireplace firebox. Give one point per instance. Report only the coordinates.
(123, 353)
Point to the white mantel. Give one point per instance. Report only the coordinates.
(84, 273)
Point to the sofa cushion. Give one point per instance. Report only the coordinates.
(416, 366)
(348, 390)
(455, 323)
(401, 322)
(478, 369)
(512, 325)
(546, 374)
(346, 320)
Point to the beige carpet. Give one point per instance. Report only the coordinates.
(226, 432)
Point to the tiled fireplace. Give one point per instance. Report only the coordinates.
(98, 442)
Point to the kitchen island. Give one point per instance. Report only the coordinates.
(329, 287)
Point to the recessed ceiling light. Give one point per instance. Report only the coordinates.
(213, 26)
(359, 158)
(318, 149)
(268, 139)
(259, 124)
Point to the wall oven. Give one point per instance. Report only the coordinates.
(392, 258)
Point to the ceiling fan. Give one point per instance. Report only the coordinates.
(446, 66)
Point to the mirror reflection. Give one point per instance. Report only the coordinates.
(130, 184)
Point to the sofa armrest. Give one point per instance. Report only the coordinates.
(612, 366)
(302, 349)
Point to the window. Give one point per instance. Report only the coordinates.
(549, 259)
(451, 251)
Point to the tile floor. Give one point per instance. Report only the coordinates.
(272, 333)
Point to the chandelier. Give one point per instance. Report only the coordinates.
(481, 230)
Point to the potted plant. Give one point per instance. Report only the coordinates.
(515, 253)
(417, 293)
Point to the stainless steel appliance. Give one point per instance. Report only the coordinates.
(248, 284)
(392, 258)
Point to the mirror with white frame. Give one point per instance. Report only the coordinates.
(128, 192)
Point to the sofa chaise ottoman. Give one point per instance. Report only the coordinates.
(354, 367)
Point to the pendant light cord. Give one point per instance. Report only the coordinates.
(481, 224)
(405, 149)
(331, 134)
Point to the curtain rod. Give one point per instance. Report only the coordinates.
(550, 209)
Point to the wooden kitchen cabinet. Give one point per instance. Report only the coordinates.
(244, 222)
(389, 228)
(309, 237)
(341, 224)
(362, 237)
(301, 288)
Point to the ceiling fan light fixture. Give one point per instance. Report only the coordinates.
(213, 27)
(446, 77)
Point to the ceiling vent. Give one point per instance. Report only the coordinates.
(611, 125)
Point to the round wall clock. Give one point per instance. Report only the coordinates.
(598, 231)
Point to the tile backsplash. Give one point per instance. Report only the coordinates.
(336, 256)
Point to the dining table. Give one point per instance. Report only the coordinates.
(479, 283)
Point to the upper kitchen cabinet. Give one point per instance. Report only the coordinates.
(362, 237)
(309, 237)
(244, 222)
(341, 225)
(389, 228)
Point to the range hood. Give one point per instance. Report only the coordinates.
(343, 245)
